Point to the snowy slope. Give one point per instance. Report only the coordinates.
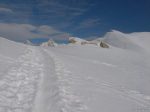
(120, 40)
(9, 52)
(76, 78)
(107, 79)
(10, 49)
(142, 39)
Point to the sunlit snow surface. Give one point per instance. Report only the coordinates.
(77, 78)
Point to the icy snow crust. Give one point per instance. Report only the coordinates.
(77, 78)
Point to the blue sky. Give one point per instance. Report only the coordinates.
(59, 19)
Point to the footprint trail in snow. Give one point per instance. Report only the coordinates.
(18, 88)
(69, 102)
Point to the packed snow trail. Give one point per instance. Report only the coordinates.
(19, 87)
(47, 97)
(38, 82)
(67, 101)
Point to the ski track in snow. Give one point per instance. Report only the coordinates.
(69, 102)
(18, 88)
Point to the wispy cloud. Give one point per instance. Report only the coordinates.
(59, 8)
(89, 23)
(52, 12)
(22, 32)
(5, 10)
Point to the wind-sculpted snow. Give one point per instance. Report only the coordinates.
(19, 86)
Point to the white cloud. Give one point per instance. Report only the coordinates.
(5, 10)
(44, 29)
(22, 32)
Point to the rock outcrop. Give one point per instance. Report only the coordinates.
(75, 40)
(103, 45)
(50, 43)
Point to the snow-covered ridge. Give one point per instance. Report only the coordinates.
(114, 38)
(142, 39)
(130, 41)
(10, 48)
(120, 40)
